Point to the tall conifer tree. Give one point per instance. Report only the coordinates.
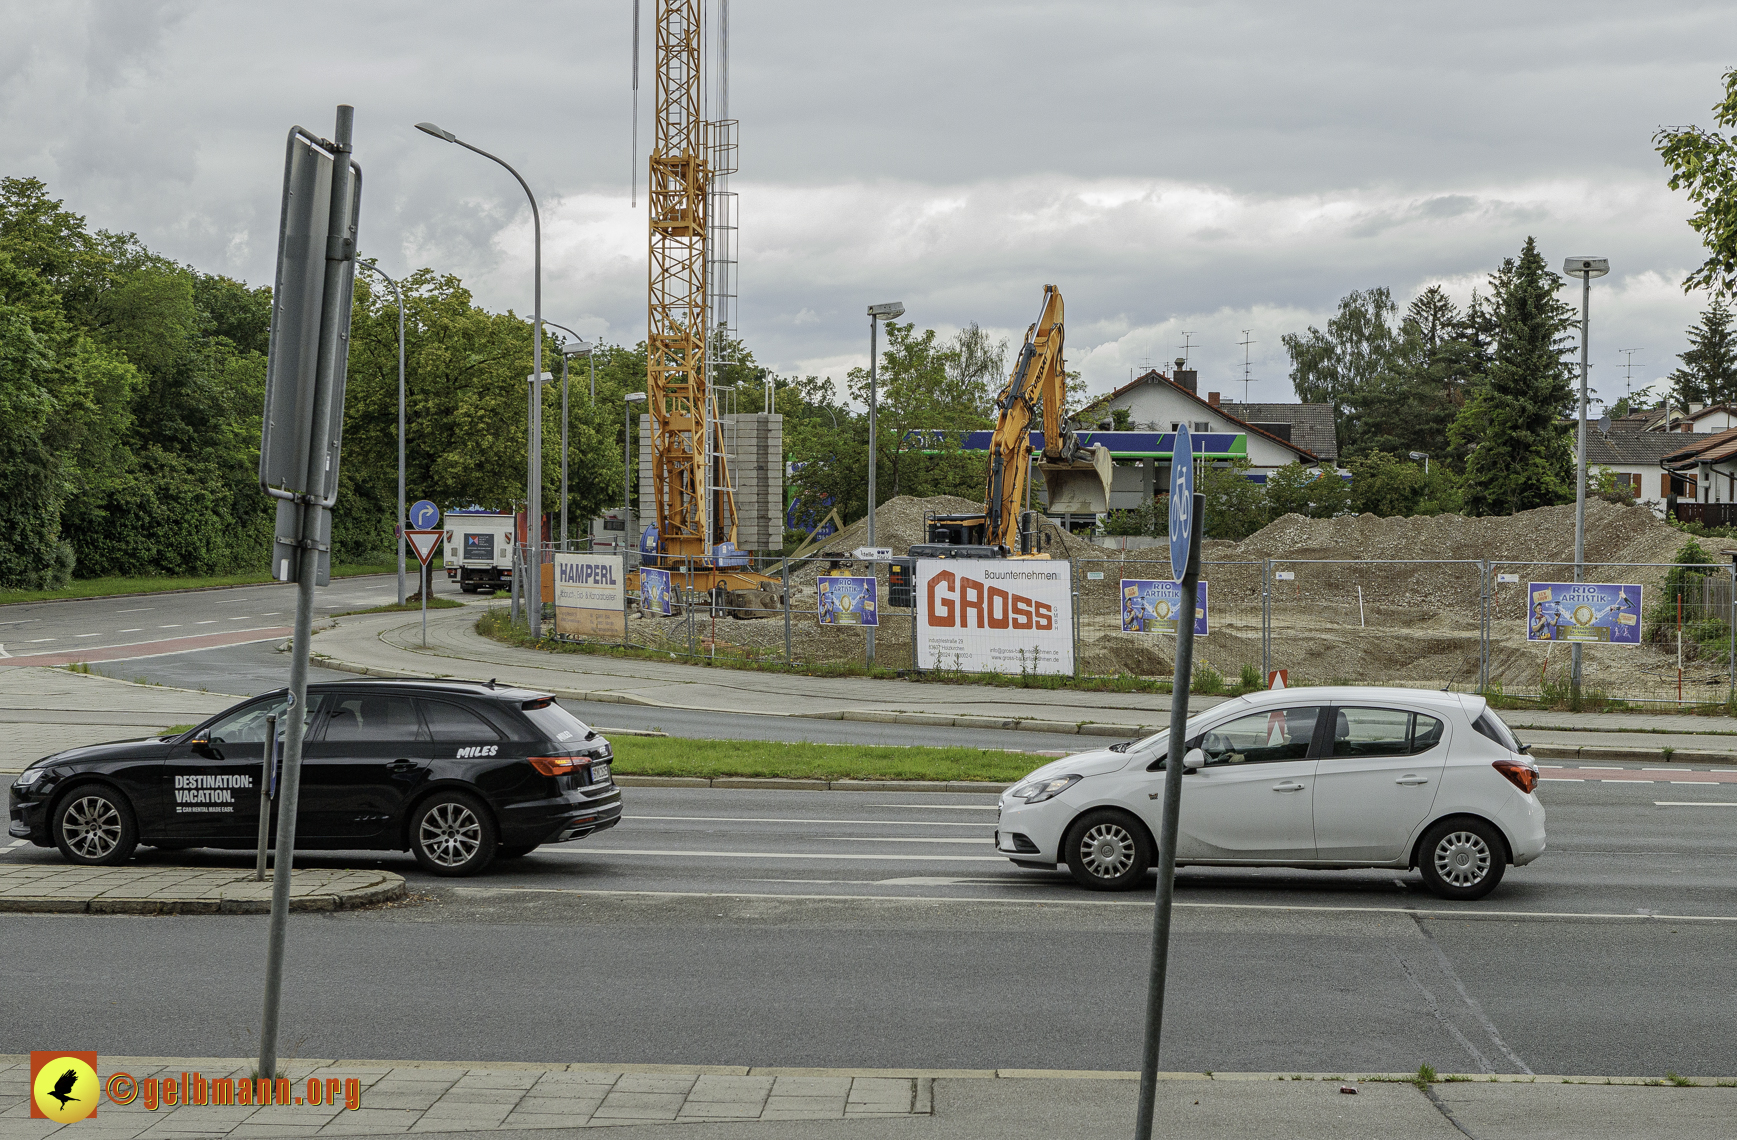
(1709, 371)
(1520, 453)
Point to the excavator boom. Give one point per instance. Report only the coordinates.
(1077, 478)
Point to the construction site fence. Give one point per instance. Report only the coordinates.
(1442, 624)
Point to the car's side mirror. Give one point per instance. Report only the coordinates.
(200, 738)
(1523, 748)
(1192, 759)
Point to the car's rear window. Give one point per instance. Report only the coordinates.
(1490, 725)
(555, 723)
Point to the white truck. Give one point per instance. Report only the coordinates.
(479, 549)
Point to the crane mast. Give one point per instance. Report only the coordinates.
(686, 453)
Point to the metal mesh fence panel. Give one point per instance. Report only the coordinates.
(1682, 619)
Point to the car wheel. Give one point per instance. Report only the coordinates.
(1462, 859)
(453, 834)
(1107, 850)
(515, 850)
(93, 826)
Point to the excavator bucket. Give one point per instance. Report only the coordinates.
(1081, 487)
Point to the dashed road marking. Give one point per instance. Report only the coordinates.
(1695, 803)
(758, 819)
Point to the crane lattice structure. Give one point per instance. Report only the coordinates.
(695, 509)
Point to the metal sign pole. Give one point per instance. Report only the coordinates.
(328, 381)
(1167, 836)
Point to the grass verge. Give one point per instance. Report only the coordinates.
(673, 756)
(404, 607)
(108, 587)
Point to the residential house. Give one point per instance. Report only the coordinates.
(1635, 458)
(1705, 472)
(1159, 403)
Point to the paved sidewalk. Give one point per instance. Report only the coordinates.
(739, 1103)
(390, 645)
(44, 710)
(64, 888)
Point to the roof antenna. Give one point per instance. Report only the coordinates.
(491, 682)
(1245, 342)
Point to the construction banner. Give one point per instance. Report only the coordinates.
(995, 615)
(1155, 606)
(654, 591)
(1586, 612)
(589, 596)
(846, 600)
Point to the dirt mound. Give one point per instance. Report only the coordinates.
(1613, 534)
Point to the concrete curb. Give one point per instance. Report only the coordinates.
(787, 785)
(1616, 753)
(230, 893)
(922, 1075)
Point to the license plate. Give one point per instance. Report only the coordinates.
(600, 773)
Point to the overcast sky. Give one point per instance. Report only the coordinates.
(1174, 167)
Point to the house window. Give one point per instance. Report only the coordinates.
(1201, 425)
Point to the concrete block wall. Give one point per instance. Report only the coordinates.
(754, 451)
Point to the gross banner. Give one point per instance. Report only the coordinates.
(1155, 606)
(654, 591)
(995, 616)
(846, 600)
(1585, 611)
(589, 596)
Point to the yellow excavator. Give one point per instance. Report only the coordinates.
(1076, 476)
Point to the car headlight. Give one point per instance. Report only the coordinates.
(29, 777)
(1039, 790)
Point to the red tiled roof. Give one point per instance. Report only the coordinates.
(1710, 448)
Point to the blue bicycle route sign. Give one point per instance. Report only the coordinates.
(1181, 502)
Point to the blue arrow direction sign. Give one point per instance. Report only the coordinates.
(1181, 502)
(424, 515)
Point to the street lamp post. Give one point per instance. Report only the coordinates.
(627, 433)
(534, 474)
(1423, 455)
(568, 353)
(889, 311)
(1585, 268)
(398, 529)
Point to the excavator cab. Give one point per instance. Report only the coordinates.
(1080, 486)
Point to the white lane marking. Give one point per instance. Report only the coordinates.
(1691, 781)
(207, 621)
(273, 613)
(40, 640)
(1562, 780)
(1435, 1010)
(756, 819)
(1471, 1002)
(177, 625)
(1670, 769)
(943, 807)
(1599, 768)
(1144, 904)
(380, 587)
(242, 617)
(3, 652)
(782, 855)
(888, 839)
(135, 629)
(1695, 803)
(88, 635)
(140, 610)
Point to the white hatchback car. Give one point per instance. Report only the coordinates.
(1325, 777)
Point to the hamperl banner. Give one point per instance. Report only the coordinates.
(995, 615)
(589, 596)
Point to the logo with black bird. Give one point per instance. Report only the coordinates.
(64, 1086)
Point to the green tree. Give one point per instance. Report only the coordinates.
(1709, 371)
(1705, 164)
(1389, 485)
(1310, 491)
(1235, 507)
(1411, 403)
(1519, 453)
(1336, 367)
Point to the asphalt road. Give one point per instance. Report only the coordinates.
(814, 928)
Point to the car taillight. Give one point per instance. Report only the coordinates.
(557, 765)
(1520, 773)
